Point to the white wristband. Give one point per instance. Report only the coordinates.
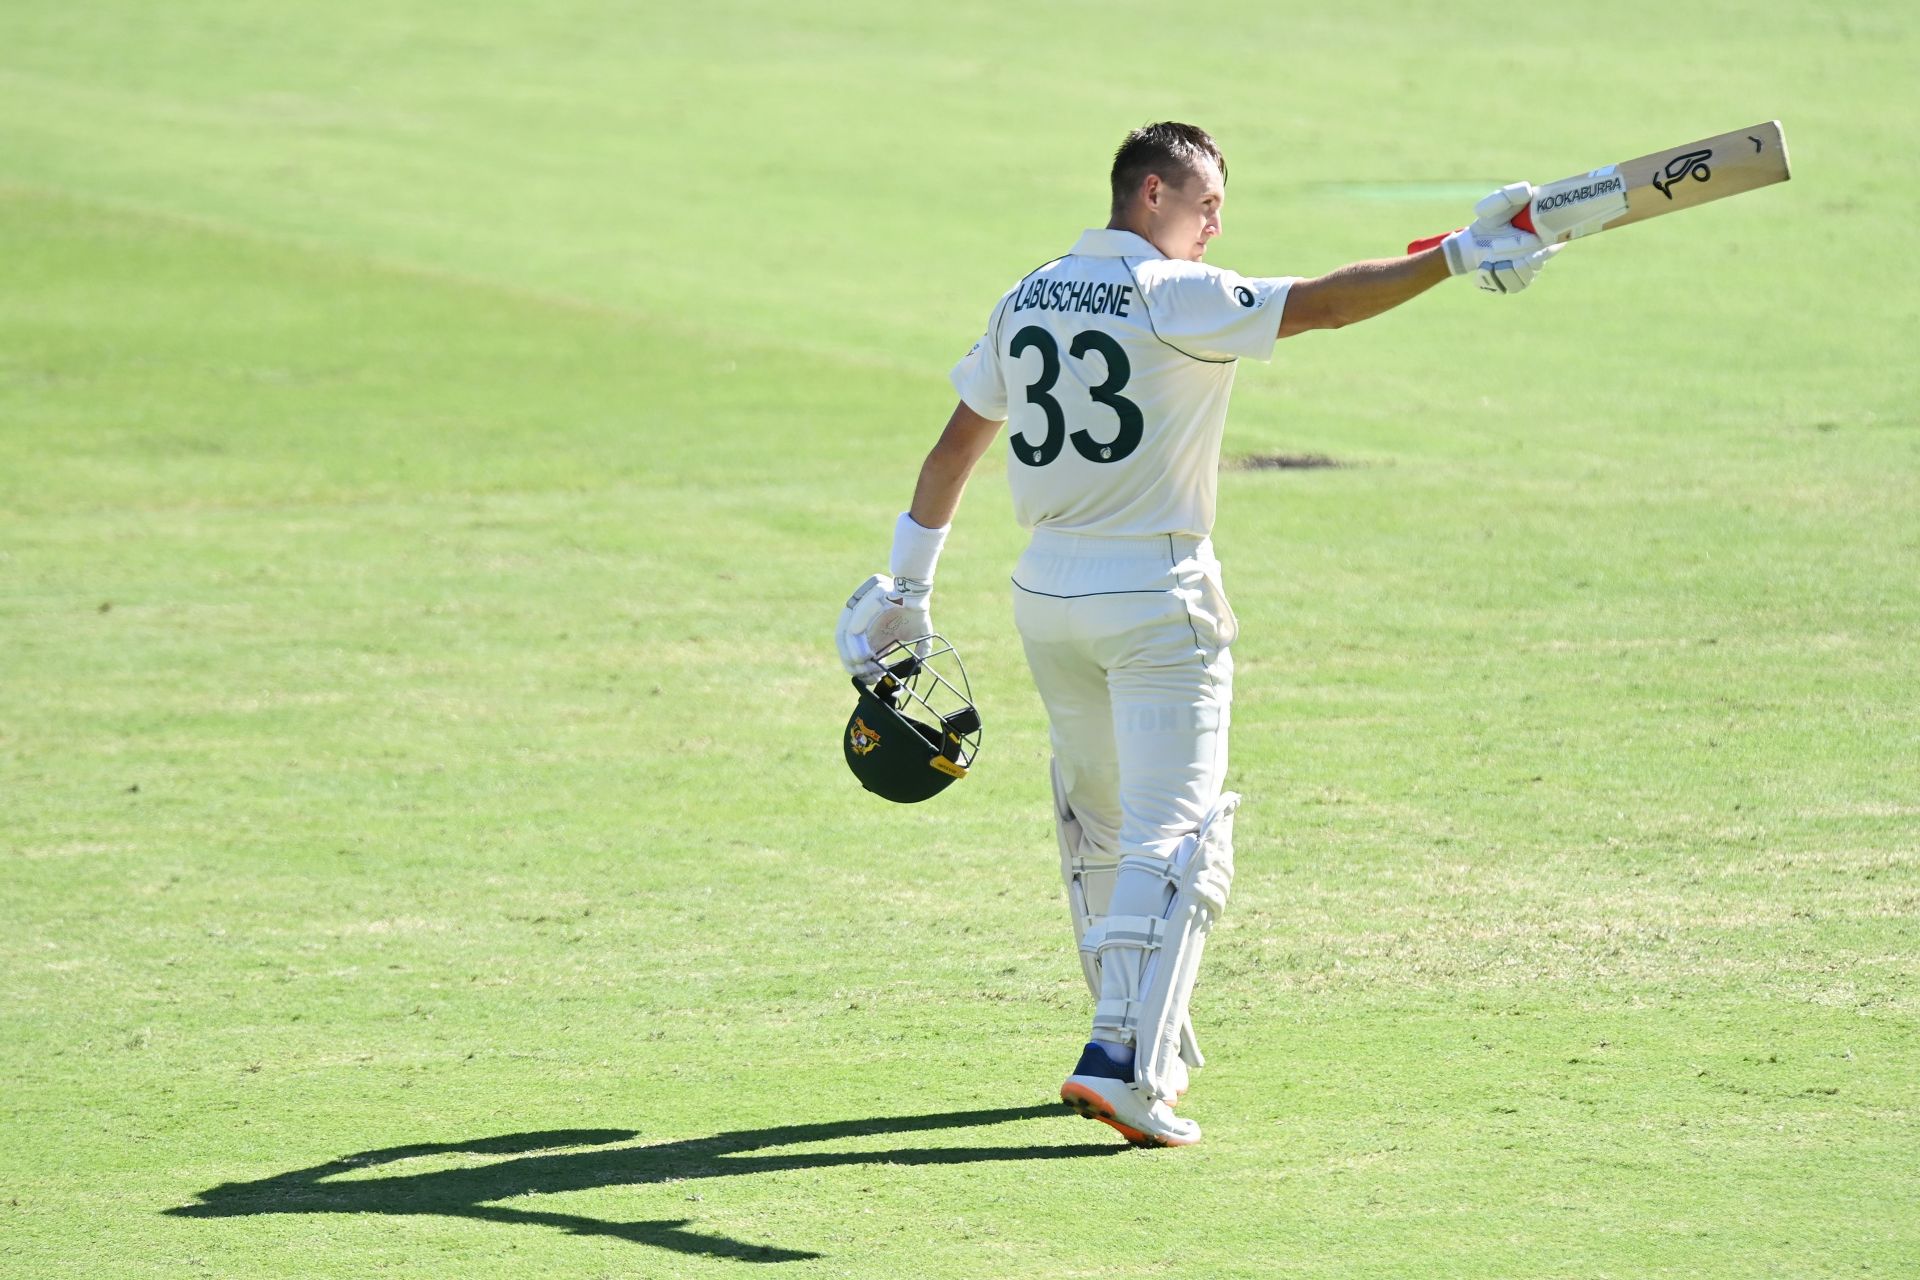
(915, 549)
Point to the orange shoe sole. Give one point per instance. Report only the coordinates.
(1091, 1106)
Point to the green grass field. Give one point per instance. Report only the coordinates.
(434, 444)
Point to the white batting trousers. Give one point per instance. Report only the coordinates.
(1128, 640)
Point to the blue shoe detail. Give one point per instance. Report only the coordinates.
(1097, 1060)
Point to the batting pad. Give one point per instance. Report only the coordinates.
(1155, 959)
(1088, 874)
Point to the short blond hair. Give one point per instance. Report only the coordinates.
(1173, 150)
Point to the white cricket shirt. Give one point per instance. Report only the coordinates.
(1112, 368)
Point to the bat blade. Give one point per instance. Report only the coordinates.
(1682, 177)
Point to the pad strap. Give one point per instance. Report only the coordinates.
(1141, 933)
(1167, 869)
(1081, 865)
(1116, 1016)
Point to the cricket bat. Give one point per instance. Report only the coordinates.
(1664, 182)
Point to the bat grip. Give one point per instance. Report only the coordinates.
(1522, 220)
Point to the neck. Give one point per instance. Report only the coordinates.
(1138, 227)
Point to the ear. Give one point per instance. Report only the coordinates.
(1151, 189)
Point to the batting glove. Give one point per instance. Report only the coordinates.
(1511, 275)
(882, 611)
(1503, 258)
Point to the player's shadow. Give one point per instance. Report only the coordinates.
(541, 1167)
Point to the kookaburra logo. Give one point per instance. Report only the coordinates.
(1691, 165)
(861, 738)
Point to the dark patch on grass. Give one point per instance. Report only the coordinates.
(1289, 462)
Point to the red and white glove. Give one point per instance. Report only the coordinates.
(1503, 258)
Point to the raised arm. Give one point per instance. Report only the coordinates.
(1360, 291)
(1503, 257)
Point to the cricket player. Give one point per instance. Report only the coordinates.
(1111, 368)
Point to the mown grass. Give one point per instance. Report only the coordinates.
(433, 445)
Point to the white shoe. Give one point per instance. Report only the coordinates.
(1142, 1121)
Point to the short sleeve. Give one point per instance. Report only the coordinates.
(1219, 315)
(978, 377)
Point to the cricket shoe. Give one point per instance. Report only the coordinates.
(1102, 1089)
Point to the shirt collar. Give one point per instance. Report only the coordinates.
(1105, 242)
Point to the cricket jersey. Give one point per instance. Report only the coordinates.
(1112, 368)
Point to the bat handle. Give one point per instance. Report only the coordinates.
(1522, 220)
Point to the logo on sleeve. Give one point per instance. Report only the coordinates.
(1243, 294)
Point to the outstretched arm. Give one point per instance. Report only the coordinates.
(1360, 291)
(1503, 256)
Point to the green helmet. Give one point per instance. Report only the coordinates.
(915, 730)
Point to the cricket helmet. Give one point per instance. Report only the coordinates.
(915, 728)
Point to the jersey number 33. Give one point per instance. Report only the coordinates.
(1128, 422)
